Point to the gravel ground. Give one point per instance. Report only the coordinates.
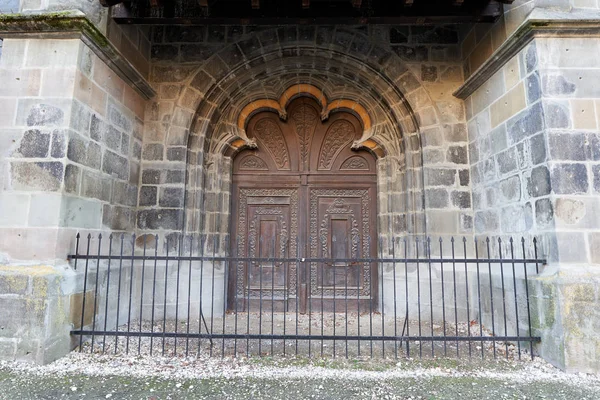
(350, 324)
(86, 376)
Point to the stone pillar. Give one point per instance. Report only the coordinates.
(70, 144)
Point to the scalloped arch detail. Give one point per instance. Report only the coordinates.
(303, 89)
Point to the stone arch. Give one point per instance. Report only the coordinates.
(345, 65)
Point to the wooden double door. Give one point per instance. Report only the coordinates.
(304, 194)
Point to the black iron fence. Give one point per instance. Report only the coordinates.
(419, 298)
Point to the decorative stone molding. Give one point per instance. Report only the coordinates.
(541, 23)
(75, 25)
(316, 93)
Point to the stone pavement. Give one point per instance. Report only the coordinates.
(104, 377)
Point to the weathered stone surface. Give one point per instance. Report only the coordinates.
(58, 148)
(526, 123)
(153, 152)
(596, 177)
(37, 175)
(457, 154)
(176, 153)
(429, 73)
(534, 91)
(507, 161)
(538, 183)
(569, 178)
(517, 218)
(439, 177)
(486, 221)
(461, 199)
(556, 85)
(510, 189)
(115, 164)
(464, 177)
(45, 115)
(570, 146)
(160, 219)
(171, 197)
(148, 196)
(544, 213)
(35, 144)
(557, 115)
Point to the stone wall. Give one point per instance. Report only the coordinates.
(71, 144)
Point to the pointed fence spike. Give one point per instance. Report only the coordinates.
(522, 239)
(511, 240)
(100, 236)
(89, 236)
(78, 235)
(111, 236)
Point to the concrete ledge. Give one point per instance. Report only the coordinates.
(541, 23)
(74, 24)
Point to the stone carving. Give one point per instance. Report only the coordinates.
(268, 132)
(355, 163)
(253, 163)
(339, 135)
(305, 119)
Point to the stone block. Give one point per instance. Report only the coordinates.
(124, 194)
(72, 178)
(115, 164)
(171, 197)
(34, 113)
(544, 213)
(570, 146)
(14, 210)
(557, 115)
(176, 153)
(486, 221)
(457, 155)
(570, 178)
(440, 177)
(464, 177)
(112, 138)
(45, 176)
(534, 90)
(461, 199)
(97, 128)
(517, 218)
(81, 213)
(35, 144)
(170, 219)
(52, 53)
(498, 140)
(539, 183)
(58, 82)
(526, 123)
(571, 247)
(583, 114)
(148, 196)
(153, 152)
(8, 108)
(537, 146)
(510, 189)
(508, 105)
(58, 149)
(44, 209)
(118, 218)
(17, 82)
(96, 186)
(507, 161)
(151, 177)
(77, 310)
(594, 240)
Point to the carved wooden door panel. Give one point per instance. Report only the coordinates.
(304, 192)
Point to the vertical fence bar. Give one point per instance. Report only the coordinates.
(479, 298)
(119, 292)
(503, 296)
(201, 319)
(153, 294)
(358, 286)
(249, 265)
(85, 275)
(467, 295)
(407, 321)
(455, 305)
(274, 254)
(110, 239)
(512, 259)
(96, 292)
(297, 290)
(212, 292)
(443, 299)
(334, 268)
(179, 248)
(286, 293)
(164, 322)
(395, 299)
(130, 293)
(235, 296)
(487, 241)
(371, 299)
(322, 304)
(430, 295)
(260, 303)
(419, 296)
(225, 276)
(189, 299)
(382, 298)
(346, 271)
(527, 290)
(142, 297)
(308, 268)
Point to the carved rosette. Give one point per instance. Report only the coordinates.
(253, 163)
(355, 163)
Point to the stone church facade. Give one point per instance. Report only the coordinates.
(486, 129)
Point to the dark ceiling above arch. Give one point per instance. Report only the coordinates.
(270, 12)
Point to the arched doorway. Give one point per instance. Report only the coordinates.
(304, 193)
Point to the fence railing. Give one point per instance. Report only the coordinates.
(182, 296)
